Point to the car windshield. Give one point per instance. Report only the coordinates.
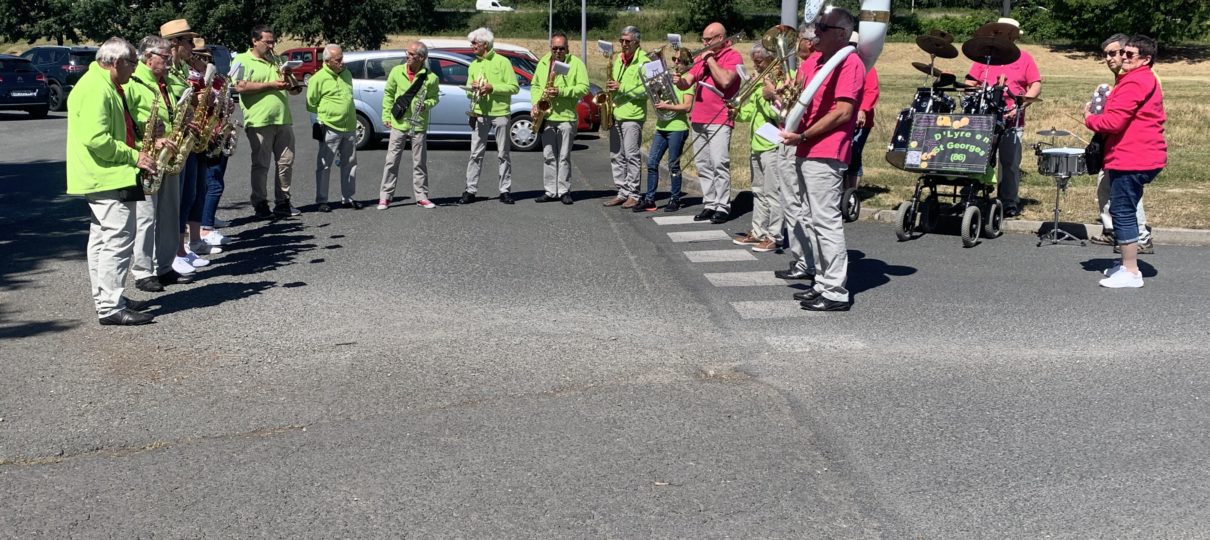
(523, 63)
(83, 58)
(17, 66)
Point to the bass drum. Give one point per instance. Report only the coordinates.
(897, 149)
(932, 100)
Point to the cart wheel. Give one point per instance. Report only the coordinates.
(972, 222)
(930, 214)
(850, 205)
(995, 220)
(905, 220)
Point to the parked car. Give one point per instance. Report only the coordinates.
(524, 62)
(23, 87)
(311, 58)
(63, 66)
(448, 120)
(490, 5)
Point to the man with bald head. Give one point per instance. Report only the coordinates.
(714, 73)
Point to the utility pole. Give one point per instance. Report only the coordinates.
(584, 31)
(1006, 8)
(789, 13)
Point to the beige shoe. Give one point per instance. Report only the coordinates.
(631, 203)
(615, 201)
(746, 240)
(766, 245)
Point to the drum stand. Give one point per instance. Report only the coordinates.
(1057, 235)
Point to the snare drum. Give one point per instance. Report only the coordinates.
(932, 100)
(1066, 162)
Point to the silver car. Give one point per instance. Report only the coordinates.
(448, 120)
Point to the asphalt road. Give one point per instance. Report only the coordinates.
(576, 371)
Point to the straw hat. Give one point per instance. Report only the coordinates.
(175, 28)
(854, 37)
(200, 49)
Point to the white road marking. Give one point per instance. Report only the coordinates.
(699, 236)
(678, 220)
(771, 309)
(759, 278)
(720, 255)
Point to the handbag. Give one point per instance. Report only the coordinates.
(404, 102)
(318, 131)
(1094, 154)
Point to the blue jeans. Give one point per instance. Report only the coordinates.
(193, 187)
(672, 142)
(859, 137)
(216, 170)
(1126, 188)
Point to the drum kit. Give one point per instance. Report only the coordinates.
(1060, 164)
(942, 93)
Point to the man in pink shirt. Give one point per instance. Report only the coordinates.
(1135, 150)
(713, 70)
(824, 147)
(1021, 78)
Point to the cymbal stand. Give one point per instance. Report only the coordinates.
(1056, 235)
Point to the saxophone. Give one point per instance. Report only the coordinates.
(543, 107)
(201, 120)
(168, 154)
(604, 100)
(227, 132)
(151, 182)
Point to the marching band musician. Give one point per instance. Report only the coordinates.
(711, 125)
(103, 166)
(193, 201)
(187, 73)
(180, 36)
(559, 128)
(156, 236)
(629, 114)
(214, 170)
(865, 122)
(330, 97)
(492, 85)
(764, 235)
(411, 83)
(669, 138)
(792, 199)
(1021, 79)
(267, 123)
(824, 145)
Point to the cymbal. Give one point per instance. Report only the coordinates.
(1052, 132)
(937, 45)
(991, 51)
(999, 30)
(945, 79)
(926, 69)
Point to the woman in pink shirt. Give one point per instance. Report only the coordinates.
(1135, 150)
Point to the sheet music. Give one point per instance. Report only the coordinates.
(711, 88)
(653, 69)
(769, 132)
(605, 47)
(674, 40)
(562, 68)
(742, 71)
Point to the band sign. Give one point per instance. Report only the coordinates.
(950, 143)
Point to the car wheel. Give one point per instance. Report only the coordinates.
(37, 112)
(365, 132)
(58, 99)
(521, 133)
(306, 78)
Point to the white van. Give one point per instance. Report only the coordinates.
(490, 5)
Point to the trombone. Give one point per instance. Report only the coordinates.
(781, 40)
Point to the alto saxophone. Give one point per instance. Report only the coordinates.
(604, 100)
(167, 155)
(544, 105)
(151, 182)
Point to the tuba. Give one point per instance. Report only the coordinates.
(604, 100)
(543, 107)
(660, 88)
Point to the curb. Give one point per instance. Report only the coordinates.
(1160, 236)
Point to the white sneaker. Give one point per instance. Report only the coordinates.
(215, 238)
(203, 248)
(1111, 270)
(194, 260)
(1123, 279)
(220, 223)
(181, 265)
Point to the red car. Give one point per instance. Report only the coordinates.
(311, 58)
(588, 114)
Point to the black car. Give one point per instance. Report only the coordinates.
(22, 87)
(63, 66)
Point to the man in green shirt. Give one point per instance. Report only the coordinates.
(264, 98)
(629, 114)
(492, 84)
(409, 78)
(103, 166)
(562, 92)
(330, 97)
(764, 235)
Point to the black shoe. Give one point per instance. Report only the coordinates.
(1012, 212)
(467, 198)
(645, 205)
(672, 206)
(324, 207)
(566, 198)
(149, 284)
(506, 198)
(720, 217)
(807, 295)
(137, 305)
(793, 273)
(126, 317)
(704, 215)
(285, 210)
(262, 211)
(350, 204)
(173, 278)
(823, 304)
(546, 198)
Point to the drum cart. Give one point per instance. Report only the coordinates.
(956, 197)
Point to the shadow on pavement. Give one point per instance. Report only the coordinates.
(866, 273)
(208, 295)
(1101, 265)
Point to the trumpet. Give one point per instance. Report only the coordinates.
(477, 91)
(417, 116)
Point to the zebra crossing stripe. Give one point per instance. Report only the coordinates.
(699, 236)
(720, 255)
(678, 220)
(771, 309)
(759, 278)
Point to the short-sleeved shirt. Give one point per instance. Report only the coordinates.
(845, 82)
(709, 107)
(1018, 76)
(680, 122)
(268, 108)
(869, 96)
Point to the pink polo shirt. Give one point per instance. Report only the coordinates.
(1018, 75)
(708, 107)
(845, 82)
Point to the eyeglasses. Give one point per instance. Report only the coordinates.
(710, 39)
(1113, 53)
(626, 41)
(166, 57)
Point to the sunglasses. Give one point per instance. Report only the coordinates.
(1111, 54)
(1130, 54)
(824, 27)
(558, 48)
(625, 41)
